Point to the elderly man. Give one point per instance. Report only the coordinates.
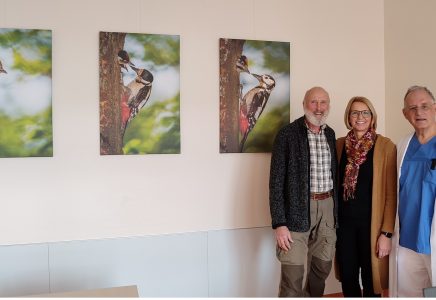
(412, 263)
(303, 198)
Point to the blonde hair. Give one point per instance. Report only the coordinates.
(367, 103)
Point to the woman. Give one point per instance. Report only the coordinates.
(367, 202)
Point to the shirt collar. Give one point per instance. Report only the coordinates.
(321, 130)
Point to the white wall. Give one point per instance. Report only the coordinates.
(410, 56)
(79, 194)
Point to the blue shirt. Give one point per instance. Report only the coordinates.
(417, 195)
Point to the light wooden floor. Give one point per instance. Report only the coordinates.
(339, 295)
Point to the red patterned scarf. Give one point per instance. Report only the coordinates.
(356, 150)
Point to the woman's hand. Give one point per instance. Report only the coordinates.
(384, 246)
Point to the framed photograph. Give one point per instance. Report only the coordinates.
(26, 93)
(254, 94)
(139, 93)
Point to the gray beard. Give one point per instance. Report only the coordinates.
(313, 120)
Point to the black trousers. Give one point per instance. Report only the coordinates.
(353, 254)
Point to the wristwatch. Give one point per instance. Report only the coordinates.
(387, 234)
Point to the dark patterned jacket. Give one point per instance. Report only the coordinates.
(289, 185)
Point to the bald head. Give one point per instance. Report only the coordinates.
(316, 92)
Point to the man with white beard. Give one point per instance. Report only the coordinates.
(303, 198)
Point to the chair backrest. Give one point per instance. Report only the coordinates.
(429, 292)
(114, 292)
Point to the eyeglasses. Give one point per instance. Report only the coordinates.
(364, 113)
(423, 108)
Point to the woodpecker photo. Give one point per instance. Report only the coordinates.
(1, 68)
(252, 105)
(124, 60)
(249, 70)
(139, 93)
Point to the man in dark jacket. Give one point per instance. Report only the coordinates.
(303, 198)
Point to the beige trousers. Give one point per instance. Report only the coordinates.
(315, 249)
(414, 272)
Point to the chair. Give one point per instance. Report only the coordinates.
(429, 292)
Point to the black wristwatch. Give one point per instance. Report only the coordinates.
(387, 234)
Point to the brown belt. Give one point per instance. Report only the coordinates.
(321, 196)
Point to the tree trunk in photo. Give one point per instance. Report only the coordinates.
(230, 51)
(111, 135)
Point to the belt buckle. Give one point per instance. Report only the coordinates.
(320, 196)
(315, 196)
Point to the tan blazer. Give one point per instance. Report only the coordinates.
(384, 204)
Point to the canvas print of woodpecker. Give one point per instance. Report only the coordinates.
(25, 93)
(139, 93)
(254, 94)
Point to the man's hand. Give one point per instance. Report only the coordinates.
(283, 237)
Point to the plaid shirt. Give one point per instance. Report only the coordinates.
(320, 170)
